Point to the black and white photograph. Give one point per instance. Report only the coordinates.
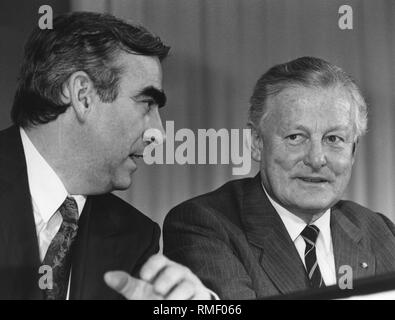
(210, 150)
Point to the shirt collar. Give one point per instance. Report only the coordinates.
(47, 190)
(324, 224)
(295, 225)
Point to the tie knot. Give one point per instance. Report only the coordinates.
(310, 233)
(69, 210)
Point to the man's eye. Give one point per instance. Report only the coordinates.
(295, 138)
(149, 104)
(332, 139)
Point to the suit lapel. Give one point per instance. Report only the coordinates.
(105, 242)
(97, 251)
(265, 229)
(350, 249)
(19, 254)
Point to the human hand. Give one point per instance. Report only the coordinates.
(161, 279)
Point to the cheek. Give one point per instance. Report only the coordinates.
(278, 165)
(135, 131)
(286, 160)
(341, 164)
(131, 128)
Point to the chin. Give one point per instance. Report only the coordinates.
(122, 179)
(122, 183)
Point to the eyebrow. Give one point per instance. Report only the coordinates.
(338, 128)
(157, 95)
(334, 128)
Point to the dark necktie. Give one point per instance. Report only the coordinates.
(310, 234)
(58, 255)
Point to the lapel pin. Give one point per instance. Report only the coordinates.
(364, 265)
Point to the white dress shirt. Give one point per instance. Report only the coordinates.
(324, 246)
(47, 193)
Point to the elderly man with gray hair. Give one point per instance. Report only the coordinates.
(286, 229)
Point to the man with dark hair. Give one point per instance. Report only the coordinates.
(87, 100)
(287, 230)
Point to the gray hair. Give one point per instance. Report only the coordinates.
(306, 72)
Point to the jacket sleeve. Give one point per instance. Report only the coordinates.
(196, 238)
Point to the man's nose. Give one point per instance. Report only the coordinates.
(155, 132)
(315, 157)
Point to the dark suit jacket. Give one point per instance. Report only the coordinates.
(235, 241)
(112, 235)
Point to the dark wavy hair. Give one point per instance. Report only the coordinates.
(79, 41)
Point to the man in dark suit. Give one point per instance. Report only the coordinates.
(286, 230)
(85, 108)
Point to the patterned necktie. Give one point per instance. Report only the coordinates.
(58, 256)
(310, 234)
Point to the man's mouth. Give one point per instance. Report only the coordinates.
(314, 179)
(136, 156)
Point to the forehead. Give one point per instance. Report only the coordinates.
(311, 107)
(139, 72)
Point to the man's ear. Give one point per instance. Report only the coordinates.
(256, 143)
(79, 92)
(354, 149)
